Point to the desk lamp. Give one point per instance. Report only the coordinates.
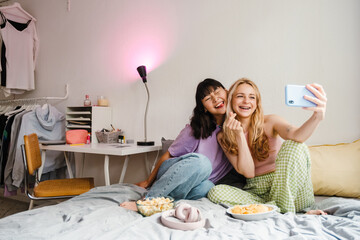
(142, 72)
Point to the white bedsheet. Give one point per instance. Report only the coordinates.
(97, 215)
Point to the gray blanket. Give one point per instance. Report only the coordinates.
(97, 215)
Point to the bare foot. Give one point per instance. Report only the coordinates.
(316, 212)
(129, 206)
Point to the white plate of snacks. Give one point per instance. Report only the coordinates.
(252, 212)
(152, 205)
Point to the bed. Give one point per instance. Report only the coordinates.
(97, 215)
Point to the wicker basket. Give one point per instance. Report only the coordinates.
(108, 137)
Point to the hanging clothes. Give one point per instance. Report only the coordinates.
(11, 152)
(19, 27)
(49, 124)
(2, 55)
(18, 54)
(6, 138)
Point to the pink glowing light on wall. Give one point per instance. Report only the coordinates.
(139, 40)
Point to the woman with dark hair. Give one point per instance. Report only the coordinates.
(195, 161)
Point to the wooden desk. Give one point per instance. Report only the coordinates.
(113, 149)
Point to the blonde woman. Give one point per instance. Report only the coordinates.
(276, 171)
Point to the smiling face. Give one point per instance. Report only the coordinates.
(215, 103)
(244, 101)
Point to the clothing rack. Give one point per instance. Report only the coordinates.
(38, 98)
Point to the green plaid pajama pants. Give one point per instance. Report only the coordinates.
(289, 187)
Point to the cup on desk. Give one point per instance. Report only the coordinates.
(102, 101)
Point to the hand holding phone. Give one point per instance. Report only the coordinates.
(294, 96)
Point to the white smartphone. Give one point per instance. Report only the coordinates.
(294, 96)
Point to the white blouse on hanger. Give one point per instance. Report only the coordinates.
(21, 50)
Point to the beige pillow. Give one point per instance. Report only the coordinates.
(336, 169)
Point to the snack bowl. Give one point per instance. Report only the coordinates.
(252, 212)
(152, 205)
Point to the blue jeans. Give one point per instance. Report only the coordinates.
(184, 177)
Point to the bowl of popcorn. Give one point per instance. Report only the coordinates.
(152, 205)
(252, 212)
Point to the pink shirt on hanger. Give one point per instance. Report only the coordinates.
(21, 51)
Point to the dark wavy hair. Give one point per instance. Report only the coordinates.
(202, 122)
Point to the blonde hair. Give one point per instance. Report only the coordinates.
(257, 139)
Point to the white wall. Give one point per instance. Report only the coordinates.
(97, 45)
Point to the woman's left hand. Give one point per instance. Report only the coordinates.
(320, 99)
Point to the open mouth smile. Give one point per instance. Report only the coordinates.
(220, 105)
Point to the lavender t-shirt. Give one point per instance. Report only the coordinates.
(187, 143)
